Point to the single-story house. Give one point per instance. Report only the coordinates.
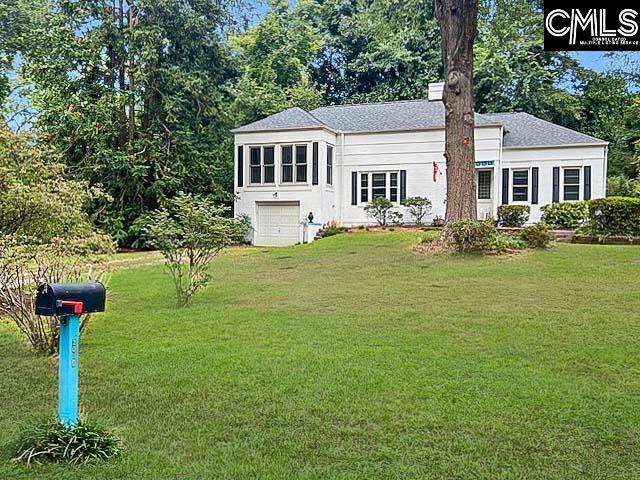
(329, 162)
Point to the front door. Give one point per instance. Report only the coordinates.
(484, 193)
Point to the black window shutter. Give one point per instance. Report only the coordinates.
(354, 188)
(587, 183)
(403, 185)
(534, 185)
(556, 185)
(314, 169)
(505, 186)
(240, 165)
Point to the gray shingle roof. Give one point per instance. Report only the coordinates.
(372, 117)
(521, 129)
(524, 130)
(291, 118)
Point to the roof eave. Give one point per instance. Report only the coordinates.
(562, 145)
(281, 129)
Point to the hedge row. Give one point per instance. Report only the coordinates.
(601, 216)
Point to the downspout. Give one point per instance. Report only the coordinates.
(606, 168)
(340, 191)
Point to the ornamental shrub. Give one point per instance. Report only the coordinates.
(189, 231)
(470, 235)
(379, 208)
(513, 215)
(614, 216)
(418, 208)
(537, 236)
(565, 215)
(503, 242)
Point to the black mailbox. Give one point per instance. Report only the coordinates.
(70, 298)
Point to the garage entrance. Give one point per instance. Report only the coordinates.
(278, 223)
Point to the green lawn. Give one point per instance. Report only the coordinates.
(354, 357)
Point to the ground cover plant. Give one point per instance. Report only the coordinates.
(354, 357)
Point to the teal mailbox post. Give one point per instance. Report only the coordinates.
(68, 301)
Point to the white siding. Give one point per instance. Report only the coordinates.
(318, 199)
(413, 151)
(545, 158)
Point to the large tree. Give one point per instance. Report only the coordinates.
(131, 95)
(275, 58)
(458, 22)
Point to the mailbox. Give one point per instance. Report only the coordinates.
(70, 298)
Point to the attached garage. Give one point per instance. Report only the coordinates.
(278, 223)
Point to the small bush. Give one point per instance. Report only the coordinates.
(614, 216)
(537, 236)
(379, 208)
(503, 242)
(513, 215)
(189, 231)
(418, 208)
(620, 186)
(332, 228)
(53, 442)
(395, 218)
(470, 235)
(438, 221)
(243, 227)
(565, 215)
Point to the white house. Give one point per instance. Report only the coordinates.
(332, 160)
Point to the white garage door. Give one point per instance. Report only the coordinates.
(278, 223)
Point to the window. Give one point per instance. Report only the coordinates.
(393, 187)
(329, 165)
(484, 184)
(254, 164)
(520, 185)
(301, 163)
(571, 184)
(268, 167)
(364, 187)
(287, 164)
(378, 185)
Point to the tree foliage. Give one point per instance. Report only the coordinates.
(37, 201)
(131, 96)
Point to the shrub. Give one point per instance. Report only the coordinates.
(53, 442)
(565, 215)
(537, 236)
(470, 235)
(37, 200)
(243, 227)
(620, 186)
(332, 228)
(418, 207)
(503, 242)
(438, 221)
(379, 209)
(513, 215)
(25, 264)
(395, 217)
(614, 216)
(189, 232)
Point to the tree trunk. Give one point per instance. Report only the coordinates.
(457, 20)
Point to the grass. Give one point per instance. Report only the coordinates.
(352, 358)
